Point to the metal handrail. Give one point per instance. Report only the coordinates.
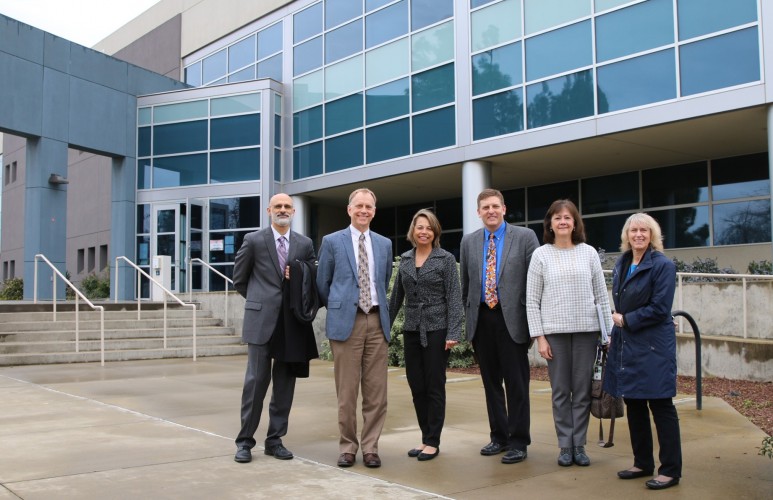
(78, 295)
(162, 287)
(190, 283)
(698, 363)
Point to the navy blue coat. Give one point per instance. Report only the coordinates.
(642, 357)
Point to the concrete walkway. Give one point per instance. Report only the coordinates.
(164, 429)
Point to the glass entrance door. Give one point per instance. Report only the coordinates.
(168, 226)
(197, 248)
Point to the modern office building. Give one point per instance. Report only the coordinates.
(658, 105)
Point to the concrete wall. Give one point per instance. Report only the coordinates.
(12, 243)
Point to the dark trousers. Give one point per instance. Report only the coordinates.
(667, 426)
(502, 360)
(425, 368)
(259, 374)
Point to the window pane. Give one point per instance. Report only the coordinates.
(271, 68)
(214, 66)
(143, 250)
(675, 185)
(602, 5)
(241, 54)
(343, 41)
(343, 78)
(739, 223)
(640, 27)
(278, 131)
(390, 140)
(242, 76)
(307, 90)
(544, 14)
(234, 213)
(231, 242)
(426, 12)
(307, 23)
(450, 213)
(638, 81)
(235, 131)
(277, 165)
(699, 17)
(143, 173)
(193, 74)
(610, 193)
(180, 111)
(386, 62)
(558, 51)
(515, 202)
(307, 125)
(307, 160)
(740, 176)
(234, 166)
(180, 137)
(724, 61)
(434, 130)
(432, 46)
(562, 99)
(145, 116)
(604, 232)
(497, 114)
(496, 69)
(541, 197)
(433, 87)
(143, 141)
(496, 24)
(270, 41)
(478, 3)
(143, 219)
(339, 11)
(307, 56)
(386, 24)
(344, 151)
(245, 103)
(179, 171)
(684, 227)
(374, 4)
(343, 114)
(387, 101)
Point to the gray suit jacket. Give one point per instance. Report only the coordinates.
(258, 278)
(519, 244)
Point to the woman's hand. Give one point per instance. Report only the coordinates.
(618, 319)
(544, 348)
(450, 344)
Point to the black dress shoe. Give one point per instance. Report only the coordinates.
(514, 456)
(493, 449)
(243, 455)
(371, 460)
(633, 474)
(580, 457)
(279, 451)
(346, 459)
(654, 484)
(565, 457)
(423, 457)
(414, 452)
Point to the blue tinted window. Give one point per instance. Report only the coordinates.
(699, 17)
(241, 53)
(740, 223)
(339, 11)
(180, 137)
(278, 131)
(640, 27)
(638, 81)
(604, 232)
(343, 114)
(740, 176)
(541, 197)
(307, 125)
(497, 114)
(387, 101)
(434, 130)
(235, 131)
(243, 75)
(214, 66)
(193, 74)
(426, 12)
(234, 166)
(558, 51)
(343, 41)
(307, 160)
(234, 213)
(433, 88)
(724, 61)
(496, 69)
(677, 185)
(180, 171)
(307, 56)
(344, 151)
(143, 141)
(390, 140)
(271, 68)
(143, 173)
(270, 41)
(478, 3)
(684, 227)
(307, 23)
(278, 165)
(374, 4)
(560, 99)
(610, 193)
(386, 24)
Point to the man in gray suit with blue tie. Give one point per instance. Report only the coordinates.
(259, 270)
(355, 265)
(494, 262)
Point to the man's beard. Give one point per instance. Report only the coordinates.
(281, 221)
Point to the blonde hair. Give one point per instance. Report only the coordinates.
(434, 224)
(364, 191)
(642, 219)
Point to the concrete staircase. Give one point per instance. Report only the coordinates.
(29, 336)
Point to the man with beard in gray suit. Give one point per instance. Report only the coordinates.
(259, 269)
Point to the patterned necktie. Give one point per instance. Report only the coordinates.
(491, 274)
(363, 276)
(281, 252)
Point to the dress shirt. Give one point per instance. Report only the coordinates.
(499, 241)
(371, 261)
(277, 235)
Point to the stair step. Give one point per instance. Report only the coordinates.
(69, 335)
(115, 344)
(123, 355)
(89, 315)
(120, 324)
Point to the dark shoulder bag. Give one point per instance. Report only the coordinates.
(603, 405)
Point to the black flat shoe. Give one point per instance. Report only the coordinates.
(414, 452)
(654, 484)
(633, 474)
(423, 457)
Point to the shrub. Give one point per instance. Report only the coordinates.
(96, 287)
(766, 450)
(13, 289)
(760, 267)
(699, 265)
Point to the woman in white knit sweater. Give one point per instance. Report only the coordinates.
(565, 284)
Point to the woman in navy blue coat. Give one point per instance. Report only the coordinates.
(641, 365)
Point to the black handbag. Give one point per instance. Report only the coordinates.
(603, 405)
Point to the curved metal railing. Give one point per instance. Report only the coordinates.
(698, 364)
(190, 283)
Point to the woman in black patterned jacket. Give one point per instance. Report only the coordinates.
(428, 281)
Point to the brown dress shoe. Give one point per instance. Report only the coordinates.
(346, 459)
(371, 460)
